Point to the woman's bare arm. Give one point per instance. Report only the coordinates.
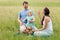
(45, 24)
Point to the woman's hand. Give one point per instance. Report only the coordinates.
(38, 13)
(35, 30)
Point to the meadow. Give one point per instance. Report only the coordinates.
(9, 26)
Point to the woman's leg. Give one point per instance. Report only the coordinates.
(41, 33)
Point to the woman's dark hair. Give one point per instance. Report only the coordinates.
(25, 2)
(42, 20)
(46, 13)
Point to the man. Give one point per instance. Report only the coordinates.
(22, 15)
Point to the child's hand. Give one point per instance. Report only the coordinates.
(31, 21)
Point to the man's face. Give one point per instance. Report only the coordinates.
(25, 6)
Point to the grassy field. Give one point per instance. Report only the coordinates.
(9, 26)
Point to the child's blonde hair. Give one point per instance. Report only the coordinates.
(29, 11)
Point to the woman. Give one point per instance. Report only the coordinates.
(47, 29)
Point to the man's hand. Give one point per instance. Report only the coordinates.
(21, 23)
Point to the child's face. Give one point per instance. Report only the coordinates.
(29, 14)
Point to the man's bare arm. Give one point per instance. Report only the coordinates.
(19, 20)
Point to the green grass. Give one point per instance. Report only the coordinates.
(8, 18)
(9, 3)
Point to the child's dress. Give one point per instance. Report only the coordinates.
(29, 18)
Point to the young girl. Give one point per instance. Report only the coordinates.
(30, 22)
